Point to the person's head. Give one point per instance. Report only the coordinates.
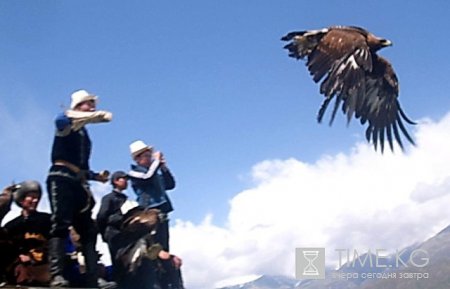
(83, 101)
(141, 153)
(74, 237)
(27, 195)
(119, 180)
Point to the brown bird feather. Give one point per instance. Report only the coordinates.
(345, 59)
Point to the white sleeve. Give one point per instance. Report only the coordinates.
(80, 118)
(150, 172)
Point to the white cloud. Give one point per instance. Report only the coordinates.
(362, 200)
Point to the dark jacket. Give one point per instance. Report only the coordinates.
(30, 235)
(74, 148)
(109, 217)
(151, 191)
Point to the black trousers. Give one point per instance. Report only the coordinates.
(169, 277)
(71, 205)
(162, 235)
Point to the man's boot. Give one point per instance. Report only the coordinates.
(57, 255)
(91, 260)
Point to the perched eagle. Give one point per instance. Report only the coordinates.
(364, 82)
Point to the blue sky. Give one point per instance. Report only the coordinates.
(206, 82)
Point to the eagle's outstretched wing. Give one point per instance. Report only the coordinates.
(382, 110)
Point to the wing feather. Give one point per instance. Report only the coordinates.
(403, 129)
(389, 137)
(323, 108)
(381, 137)
(397, 135)
(336, 106)
(375, 137)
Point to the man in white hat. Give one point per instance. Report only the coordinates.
(67, 185)
(150, 178)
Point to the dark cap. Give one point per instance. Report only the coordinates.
(117, 175)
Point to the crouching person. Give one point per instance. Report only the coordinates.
(139, 259)
(29, 233)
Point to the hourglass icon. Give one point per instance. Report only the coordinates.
(310, 269)
(310, 263)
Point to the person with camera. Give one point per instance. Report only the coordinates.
(67, 184)
(150, 178)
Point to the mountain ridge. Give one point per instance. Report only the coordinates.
(430, 259)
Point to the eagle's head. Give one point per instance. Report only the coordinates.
(376, 43)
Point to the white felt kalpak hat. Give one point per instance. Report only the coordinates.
(80, 96)
(138, 147)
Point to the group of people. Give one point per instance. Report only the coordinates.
(137, 232)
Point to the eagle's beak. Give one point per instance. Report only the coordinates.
(385, 43)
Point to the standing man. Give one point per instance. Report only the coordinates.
(67, 185)
(109, 217)
(150, 178)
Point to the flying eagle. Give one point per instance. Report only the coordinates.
(364, 82)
